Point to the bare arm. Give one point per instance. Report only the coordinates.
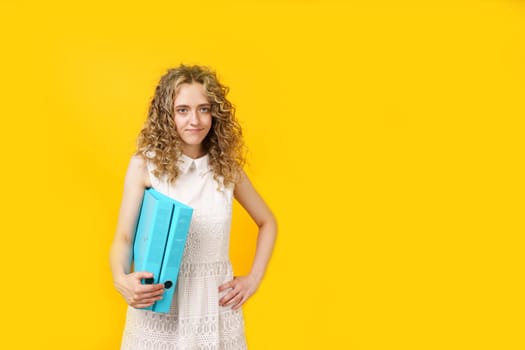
(244, 287)
(127, 283)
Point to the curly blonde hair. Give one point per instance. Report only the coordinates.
(160, 143)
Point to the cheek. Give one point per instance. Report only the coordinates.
(179, 123)
(208, 122)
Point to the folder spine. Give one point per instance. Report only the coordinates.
(173, 254)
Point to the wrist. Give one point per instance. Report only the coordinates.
(118, 278)
(257, 277)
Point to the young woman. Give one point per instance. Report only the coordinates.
(191, 149)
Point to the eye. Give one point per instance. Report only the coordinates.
(205, 109)
(181, 110)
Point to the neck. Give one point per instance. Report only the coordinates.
(193, 152)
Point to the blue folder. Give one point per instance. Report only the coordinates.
(160, 236)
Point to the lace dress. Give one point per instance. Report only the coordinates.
(195, 320)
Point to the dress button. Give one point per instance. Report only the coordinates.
(192, 166)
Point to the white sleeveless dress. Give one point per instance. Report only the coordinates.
(195, 321)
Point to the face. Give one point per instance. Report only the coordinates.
(192, 116)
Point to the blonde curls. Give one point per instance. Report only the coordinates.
(159, 142)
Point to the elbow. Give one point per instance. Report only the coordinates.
(269, 225)
(122, 239)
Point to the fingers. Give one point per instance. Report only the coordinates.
(144, 295)
(144, 300)
(228, 298)
(143, 292)
(139, 275)
(142, 277)
(228, 285)
(225, 286)
(237, 293)
(143, 304)
(137, 294)
(241, 289)
(240, 303)
(234, 299)
(149, 288)
(154, 294)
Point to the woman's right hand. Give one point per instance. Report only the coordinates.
(137, 294)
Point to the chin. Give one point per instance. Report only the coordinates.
(193, 142)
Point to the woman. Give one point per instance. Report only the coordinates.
(191, 149)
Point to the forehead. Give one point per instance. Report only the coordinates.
(191, 94)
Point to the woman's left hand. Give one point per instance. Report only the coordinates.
(242, 288)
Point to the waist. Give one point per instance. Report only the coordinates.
(213, 268)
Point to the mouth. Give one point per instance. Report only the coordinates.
(194, 130)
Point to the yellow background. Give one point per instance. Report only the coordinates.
(386, 136)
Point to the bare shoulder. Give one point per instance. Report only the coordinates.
(242, 183)
(138, 161)
(137, 172)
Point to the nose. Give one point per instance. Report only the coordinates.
(194, 118)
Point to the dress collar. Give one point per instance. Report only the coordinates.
(201, 164)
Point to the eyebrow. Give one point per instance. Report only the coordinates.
(200, 105)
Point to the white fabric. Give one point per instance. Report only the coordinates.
(195, 320)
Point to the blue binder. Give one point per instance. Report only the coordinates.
(160, 236)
